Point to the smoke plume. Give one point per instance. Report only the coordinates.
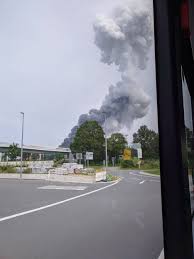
(124, 40)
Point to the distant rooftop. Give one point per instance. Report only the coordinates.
(4, 145)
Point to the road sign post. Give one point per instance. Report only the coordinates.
(89, 156)
(79, 157)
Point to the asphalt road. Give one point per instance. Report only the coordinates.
(118, 222)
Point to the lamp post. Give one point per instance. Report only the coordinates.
(106, 151)
(22, 113)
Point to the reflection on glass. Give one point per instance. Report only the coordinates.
(189, 138)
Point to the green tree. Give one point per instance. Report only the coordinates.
(89, 137)
(116, 144)
(59, 156)
(13, 151)
(149, 140)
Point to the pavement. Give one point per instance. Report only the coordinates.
(49, 220)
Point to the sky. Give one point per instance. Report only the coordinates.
(51, 69)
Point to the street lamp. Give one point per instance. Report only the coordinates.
(22, 113)
(106, 152)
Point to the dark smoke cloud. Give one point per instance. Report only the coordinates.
(124, 40)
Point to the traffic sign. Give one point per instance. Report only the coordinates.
(136, 145)
(78, 156)
(127, 154)
(139, 153)
(89, 156)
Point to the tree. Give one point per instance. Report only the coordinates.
(149, 140)
(89, 137)
(116, 144)
(13, 151)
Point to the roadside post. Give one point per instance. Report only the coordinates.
(89, 156)
(79, 157)
(22, 137)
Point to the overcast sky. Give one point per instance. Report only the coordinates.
(51, 69)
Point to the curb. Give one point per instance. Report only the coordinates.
(149, 174)
(22, 179)
(115, 181)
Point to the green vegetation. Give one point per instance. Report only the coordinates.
(116, 144)
(59, 160)
(8, 169)
(111, 177)
(27, 171)
(13, 170)
(149, 140)
(59, 157)
(89, 137)
(127, 164)
(58, 163)
(153, 171)
(152, 166)
(13, 151)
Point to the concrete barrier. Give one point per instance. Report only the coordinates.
(100, 176)
(30, 164)
(70, 178)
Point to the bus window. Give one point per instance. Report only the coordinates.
(79, 139)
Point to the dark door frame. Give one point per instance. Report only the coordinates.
(176, 210)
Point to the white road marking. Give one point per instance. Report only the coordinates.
(144, 174)
(66, 188)
(56, 203)
(142, 182)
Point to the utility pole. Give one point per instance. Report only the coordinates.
(21, 162)
(106, 148)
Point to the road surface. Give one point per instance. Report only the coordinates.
(103, 221)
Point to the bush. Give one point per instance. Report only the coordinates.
(3, 168)
(145, 164)
(127, 164)
(135, 161)
(11, 170)
(110, 177)
(150, 164)
(27, 171)
(8, 169)
(58, 163)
